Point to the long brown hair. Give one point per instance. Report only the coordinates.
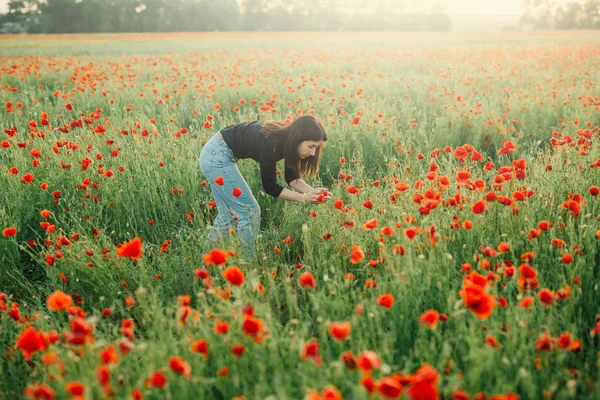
(291, 135)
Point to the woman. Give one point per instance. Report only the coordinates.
(299, 143)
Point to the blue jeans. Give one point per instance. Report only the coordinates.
(243, 212)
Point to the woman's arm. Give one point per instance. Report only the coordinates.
(300, 186)
(306, 197)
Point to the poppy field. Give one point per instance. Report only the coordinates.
(458, 259)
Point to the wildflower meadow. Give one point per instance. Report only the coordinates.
(458, 259)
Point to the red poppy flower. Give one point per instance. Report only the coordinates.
(340, 330)
(253, 326)
(353, 189)
(216, 257)
(59, 301)
(9, 232)
(132, 249)
(200, 346)
(386, 300)
(478, 207)
(31, 341)
(180, 366)
(311, 350)
(234, 275)
(370, 224)
(39, 391)
(429, 319)
(76, 389)
(357, 255)
(401, 187)
(157, 380)
(307, 280)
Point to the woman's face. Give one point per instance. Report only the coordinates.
(308, 148)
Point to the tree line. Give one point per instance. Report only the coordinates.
(97, 16)
(550, 14)
(78, 16)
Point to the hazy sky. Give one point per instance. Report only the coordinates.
(456, 7)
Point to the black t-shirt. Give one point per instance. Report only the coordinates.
(247, 141)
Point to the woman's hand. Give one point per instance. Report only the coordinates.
(321, 195)
(310, 198)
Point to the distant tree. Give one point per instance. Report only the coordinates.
(312, 15)
(156, 15)
(568, 17)
(539, 14)
(207, 15)
(128, 15)
(22, 6)
(261, 14)
(11, 27)
(22, 17)
(590, 14)
(59, 16)
(549, 14)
